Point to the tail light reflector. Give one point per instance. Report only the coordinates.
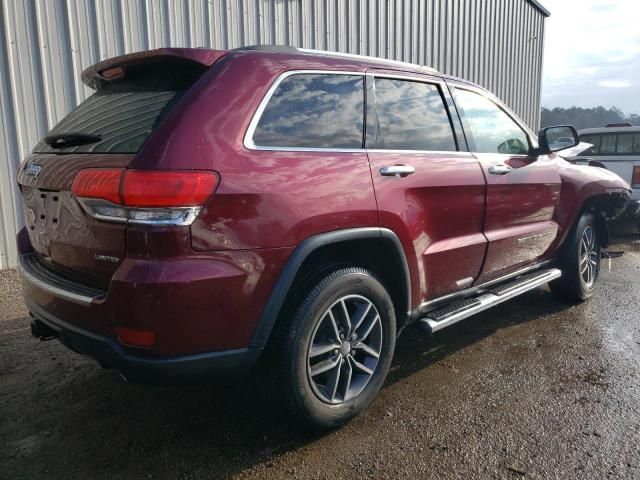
(635, 181)
(136, 338)
(144, 197)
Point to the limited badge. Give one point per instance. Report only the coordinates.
(106, 258)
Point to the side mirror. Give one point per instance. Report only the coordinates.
(559, 137)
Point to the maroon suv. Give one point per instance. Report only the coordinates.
(205, 212)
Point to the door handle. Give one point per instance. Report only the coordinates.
(397, 171)
(499, 169)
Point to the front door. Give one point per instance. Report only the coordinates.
(523, 191)
(430, 191)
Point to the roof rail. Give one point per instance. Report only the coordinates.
(269, 48)
(366, 58)
(327, 53)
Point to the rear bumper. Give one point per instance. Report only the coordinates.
(139, 368)
(193, 305)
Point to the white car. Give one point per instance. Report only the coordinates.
(562, 142)
(617, 148)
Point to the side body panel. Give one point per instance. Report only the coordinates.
(580, 184)
(437, 211)
(520, 223)
(266, 198)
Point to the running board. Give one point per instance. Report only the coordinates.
(456, 311)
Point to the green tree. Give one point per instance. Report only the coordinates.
(586, 117)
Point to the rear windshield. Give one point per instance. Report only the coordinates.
(123, 113)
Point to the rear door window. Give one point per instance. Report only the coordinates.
(314, 111)
(409, 115)
(123, 113)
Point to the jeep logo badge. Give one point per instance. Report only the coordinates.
(33, 169)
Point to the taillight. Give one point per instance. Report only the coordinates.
(144, 197)
(635, 181)
(167, 189)
(98, 183)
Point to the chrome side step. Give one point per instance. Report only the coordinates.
(456, 311)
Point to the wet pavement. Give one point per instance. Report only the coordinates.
(531, 389)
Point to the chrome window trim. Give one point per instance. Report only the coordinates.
(432, 79)
(456, 153)
(251, 146)
(248, 142)
(413, 77)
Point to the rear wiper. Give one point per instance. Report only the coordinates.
(71, 139)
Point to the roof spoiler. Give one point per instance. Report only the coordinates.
(93, 76)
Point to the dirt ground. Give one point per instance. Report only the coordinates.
(531, 389)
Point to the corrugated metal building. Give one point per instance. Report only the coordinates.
(45, 44)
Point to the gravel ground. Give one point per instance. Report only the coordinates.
(531, 389)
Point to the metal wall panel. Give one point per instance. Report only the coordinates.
(45, 45)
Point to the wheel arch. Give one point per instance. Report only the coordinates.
(337, 244)
(605, 207)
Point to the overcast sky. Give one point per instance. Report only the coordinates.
(592, 54)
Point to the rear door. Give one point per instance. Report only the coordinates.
(523, 191)
(435, 203)
(106, 130)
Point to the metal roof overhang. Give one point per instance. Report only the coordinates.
(539, 6)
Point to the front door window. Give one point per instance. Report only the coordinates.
(492, 130)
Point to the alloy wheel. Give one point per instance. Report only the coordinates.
(345, 349)
(588, 257)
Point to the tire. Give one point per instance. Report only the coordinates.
(324, 381)
(580, 262)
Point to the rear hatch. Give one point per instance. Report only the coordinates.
(134, 93)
